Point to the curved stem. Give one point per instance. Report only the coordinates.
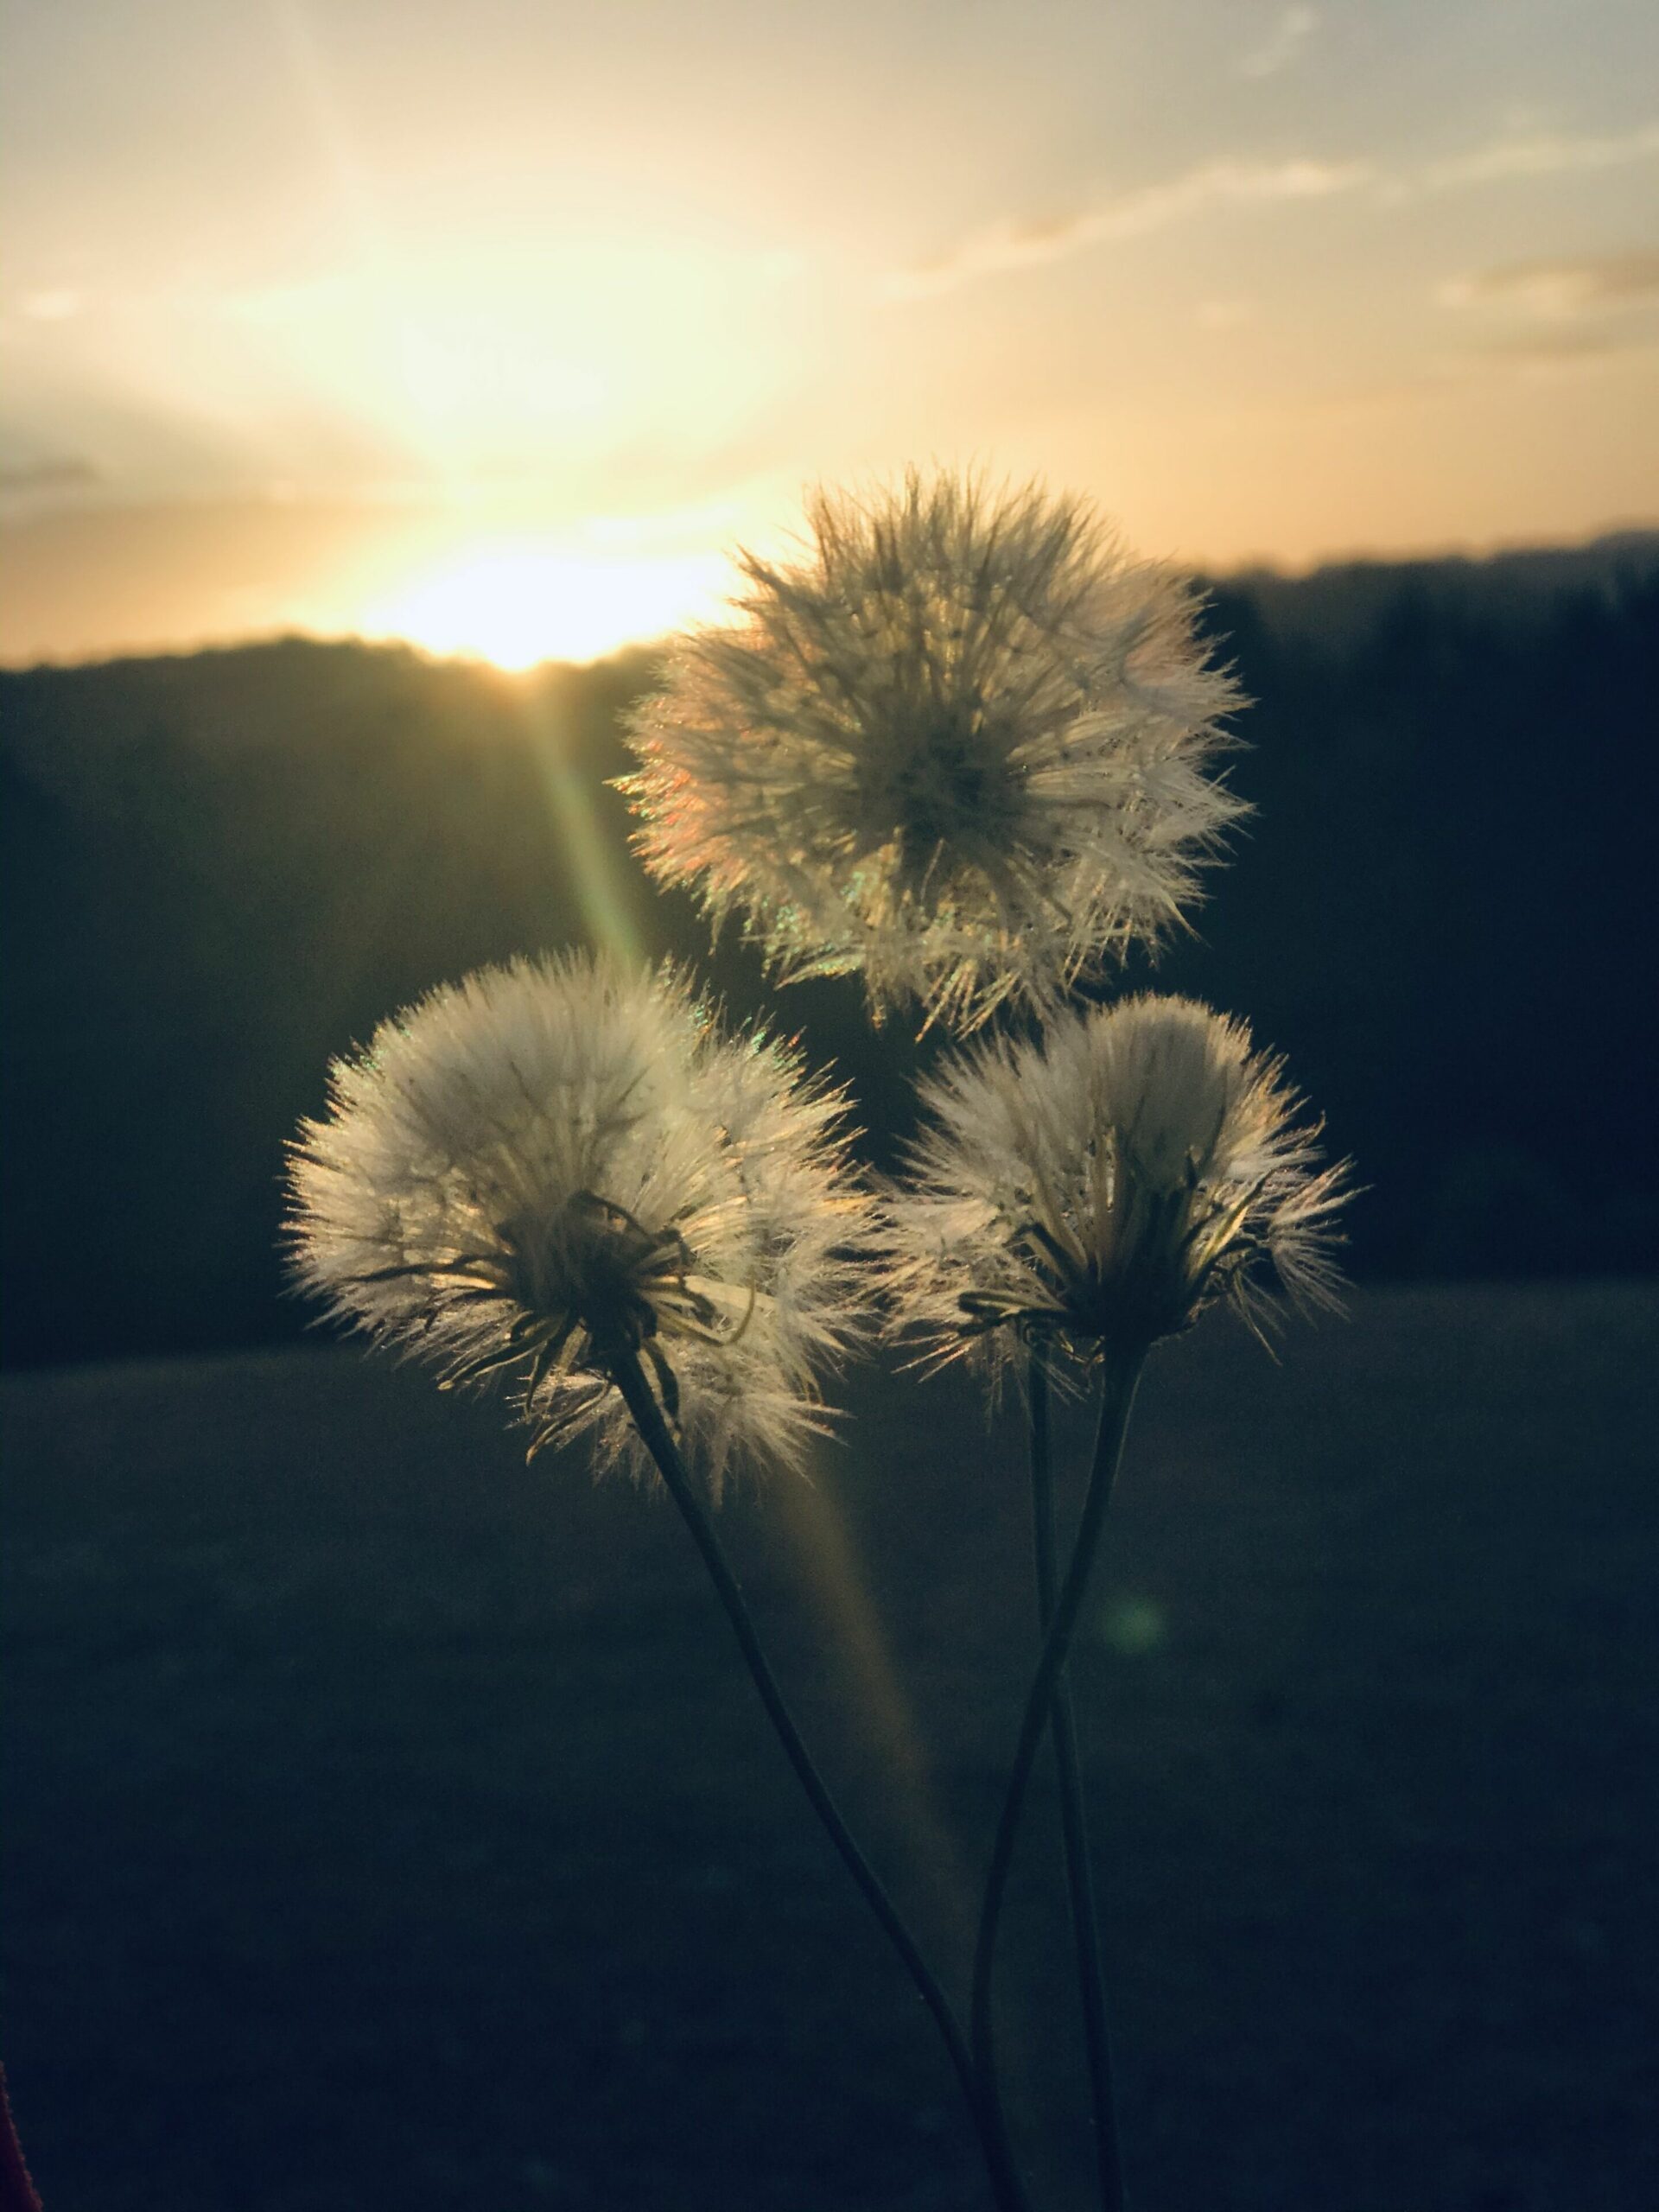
(1074, 1826)
(648, 1419)
(1117, 1397)
(17, 2188)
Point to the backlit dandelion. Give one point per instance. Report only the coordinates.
(964, 745)
(563, 1172)
(557, 1168)
(1083, 1194)
(1103, 1183)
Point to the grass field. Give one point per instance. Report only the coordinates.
(391, 1827)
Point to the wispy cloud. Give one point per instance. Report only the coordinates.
(1283, 43)
(1545, 154)
(1558, 290)
(61, 304)
(1565, 348)
(20, 477)
(1014, 243)
(1010, 244)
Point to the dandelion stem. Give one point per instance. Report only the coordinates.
(1085, 1927)
(1122, 1373)
(1006, 2186)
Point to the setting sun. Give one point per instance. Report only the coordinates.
(466, 303)
(517, 603)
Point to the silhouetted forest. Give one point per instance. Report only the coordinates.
(220, 870)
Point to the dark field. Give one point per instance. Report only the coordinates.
(392, 1827)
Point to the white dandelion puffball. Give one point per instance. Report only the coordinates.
(1105, 1183)
(961, 745)
(560, 1164)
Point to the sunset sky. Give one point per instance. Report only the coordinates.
(492, 326)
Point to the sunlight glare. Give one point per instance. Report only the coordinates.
(516, 604)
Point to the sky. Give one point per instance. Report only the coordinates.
(496, 328)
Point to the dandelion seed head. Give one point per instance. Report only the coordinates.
(559, 1163)
(1103, 1183)
(962, 746)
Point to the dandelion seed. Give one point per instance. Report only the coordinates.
(961, 747)
(557, 1164)
(1105, 1183)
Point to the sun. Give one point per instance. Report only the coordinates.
(518, 602)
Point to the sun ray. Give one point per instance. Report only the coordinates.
(607, 911)
(827, 1560)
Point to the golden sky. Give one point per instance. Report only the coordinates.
(493, 327)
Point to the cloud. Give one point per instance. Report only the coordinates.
(1283, 43)
(1564, 348)
(1588, 285)
(46, 476)
(1010, 244)
(1014, 243)
(1542, 154)
(59, 305)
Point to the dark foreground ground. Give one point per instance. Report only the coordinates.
(391, 1829)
